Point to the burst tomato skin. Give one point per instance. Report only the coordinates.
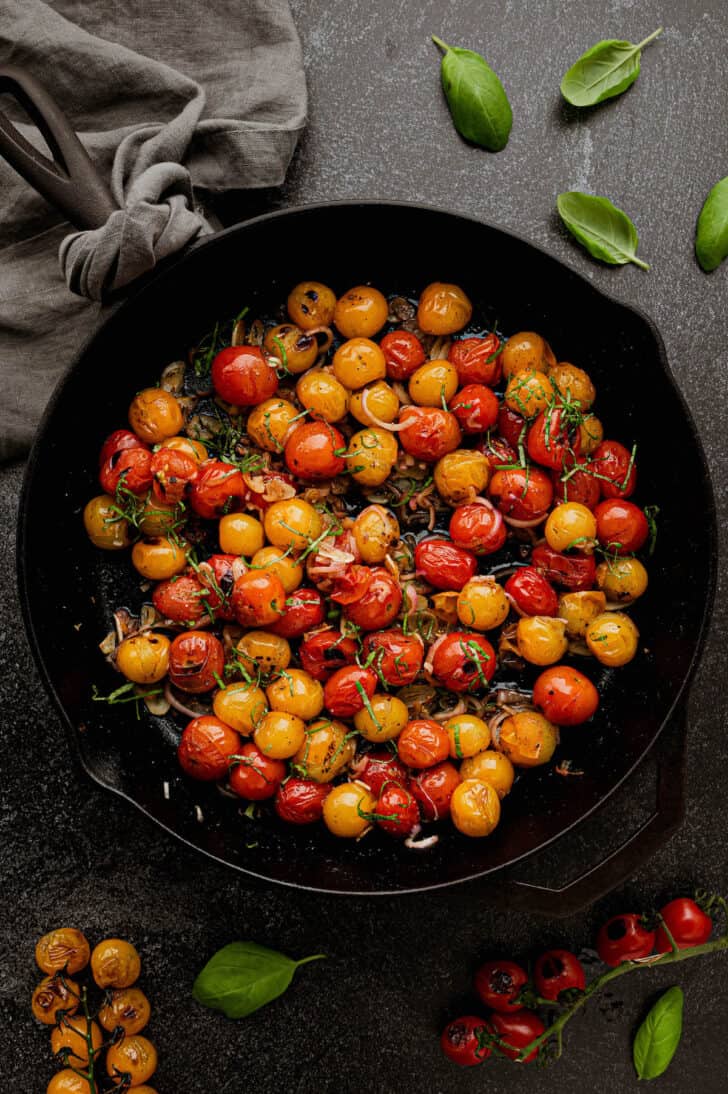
(475, 407)
(624, 938)
(522, 493)
(621, 526)
(556, 971)
(311, 451)
(324, 652)
(476, 359)
(379, 768)
(551, 441)
(180, 599)
(242, 376)
(397, 656)
(574, 571)
(443, 564)
(477, 528)
(423, 743)
(511, 426)
(256, 776)
(430, 433)
(532, 592)
(345, 691)
(130, 467)
(566, 696)
(196, 661)
(498, 452)
(403, 352)
(379, 604)
(220, 581)
(304, 610)
(119, 441)
(616, 470)
(461, 660)
(205, 747)
(461, 1043)
(517, 1030)
(301, 801)
(217, 488)
(397, 811)
(434, 789)
(498, 983)
(262, 489)
(688, 924)
(352, 584)
(172, 471)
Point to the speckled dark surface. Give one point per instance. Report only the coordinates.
(368, 1017)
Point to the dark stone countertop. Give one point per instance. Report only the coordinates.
(368, 1017)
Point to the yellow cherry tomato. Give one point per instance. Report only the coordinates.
(381, 402)
(240, 534)
(361, 312)
(348, 810)
(461, 475)
(322, 394)
(475, 808)
(490, 767)
(571, 524)
(433, 384)
(125, 1007)
(591, 434)
(528, 393)
(573, 384)
(526, 351)
(104, 527)
(280, 735)
(358, 362)
(578, 609)
(292, 523)
(468, 735)
(261, 651)
(68, 1082)
(284, 566)
(159, 520)
(622, 580)
(612, 638)
(53, 994)
(384, 719)
(159, 558)
(327, 750)
(195, 449)
(154, 415)
(296, 692)
(311, 304)
(296, 349)
(135, 1056)
(63, 949)
(115, 963)
(72, 1035)
(527, 738)
(240, 705)
(541, 639)
(371, 455)
(376, 530)
(270, 422)
(482, 604)
(443, 309)
(144, 658)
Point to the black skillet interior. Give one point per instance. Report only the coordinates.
(70, 590)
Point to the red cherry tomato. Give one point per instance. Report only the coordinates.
(264, 487)
(556, 971)
(532, 592)
(624, 938)
(687, 923)
(326, 651)
(119, 441)
(403, 353)
(516, 1031)
(499, 983)
(566, 696)
(304, 610)
(574, 571)
(397, 811)
(476, 359)
(258, 599)
(434, 788)
(522, 493)
(314, 451)
(423, 743)
(205, 747)
(464, 1041)
(255, 776)
(397, 656)
(576, 486)
(511, 426)
(181, 599)
(242, 376)
(552, 440)
(376, 769)
(478, 528)
(217, 489)
(475, 407)
(301, 801)
(616, 470)
(352, 584)
(498, 452)
(196, 661)
(380, 603)
(430, 433)
(128, 467)
(443, 564)
(621, 526)
(463, 661)
(217, 575)
(346, 692)
(172, 471)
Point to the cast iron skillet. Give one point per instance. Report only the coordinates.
(68, 588)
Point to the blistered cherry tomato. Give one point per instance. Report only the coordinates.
(429, 432)
(181, 599)
(311, 451)
(380, 603)
(443, 309)
(130, 468)
(476, 359)
(242, 376)
(498, 983)
(443, 564)
(511, 425)
(532, 592)
(566, 696)
(155, 414)
(556, 971)
(196, 661)
(205, 747)
(217, 575)
(463, 1041)
(172, 471)
(614, 465)
(463, 661)
(403, 352)
(574, 571)
(686, 921)
(352, 584)
(478, 528)
(552, 440)
(624, 938)
(256, 776)
(326, 651)
(301, 801)
(526, 350)
(311, 304)
(119, 441)
(516, 1031)
(423, 743)
(397, 656)
(575, 485)
(522, 493)
(216, 489)
(258, 599)
(621, 526)
(361, 311)
(397, 811)
(348, 689)
(434, 787)
(304, 610)
(376, 769)
(498, 452)
(475, 407)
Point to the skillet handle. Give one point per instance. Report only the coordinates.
(69, 181)
(620, 864)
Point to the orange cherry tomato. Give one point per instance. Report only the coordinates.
(258, 598)
(423, 743)
(566, 696)
(314, 451)
(196, 661)
(217, 489)
(205, 748)
(477, 359)
(429, 432)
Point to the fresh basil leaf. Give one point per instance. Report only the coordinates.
(711, 238)
(242, 976)
(605, 70)
(478, 104)
(659, 1035)
(607, 233)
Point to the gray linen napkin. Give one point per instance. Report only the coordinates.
(148, 84)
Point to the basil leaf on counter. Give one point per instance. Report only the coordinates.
(605, 70)
(659, 1035)
(711, 238)
(242, 976)
(478, 104)
(607, 233)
